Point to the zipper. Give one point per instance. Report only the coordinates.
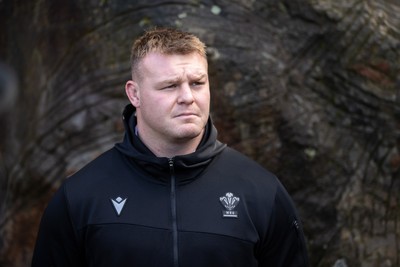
(174, 214)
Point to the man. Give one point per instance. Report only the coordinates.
(170, 194)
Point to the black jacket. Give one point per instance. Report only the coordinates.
(214, 207)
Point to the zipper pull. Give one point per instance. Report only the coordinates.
(171, 165)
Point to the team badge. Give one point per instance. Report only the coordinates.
(229, 201)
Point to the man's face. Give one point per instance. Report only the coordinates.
(173, 97)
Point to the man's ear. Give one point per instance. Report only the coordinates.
(132, 91)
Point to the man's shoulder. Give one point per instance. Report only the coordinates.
(237, 164)
(232, 157)
(107, 162)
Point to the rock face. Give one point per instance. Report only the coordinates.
(310, 89)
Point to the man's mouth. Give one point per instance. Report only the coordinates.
(186, 114)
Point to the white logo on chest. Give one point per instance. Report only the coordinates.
(118, 204)
(229, 201)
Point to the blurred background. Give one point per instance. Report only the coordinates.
(308, 88)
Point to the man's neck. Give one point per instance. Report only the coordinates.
(161, 148)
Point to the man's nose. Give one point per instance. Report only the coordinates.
(185, 94)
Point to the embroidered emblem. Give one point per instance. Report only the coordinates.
(118, 204)
(229, 201)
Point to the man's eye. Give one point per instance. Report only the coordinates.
(197, 83)
(170, 86)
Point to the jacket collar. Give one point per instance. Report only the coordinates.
(186, 167)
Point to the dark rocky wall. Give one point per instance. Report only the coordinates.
(310, 89)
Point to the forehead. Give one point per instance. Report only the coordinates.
(158, 65)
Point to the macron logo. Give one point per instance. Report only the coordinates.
(118, 204)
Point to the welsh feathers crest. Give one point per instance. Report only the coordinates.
(229, 201)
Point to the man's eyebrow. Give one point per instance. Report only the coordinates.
(167, 81)
(198, 76)
(179, 79)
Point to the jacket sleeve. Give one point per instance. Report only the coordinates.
(284, 244)
(57, 244)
